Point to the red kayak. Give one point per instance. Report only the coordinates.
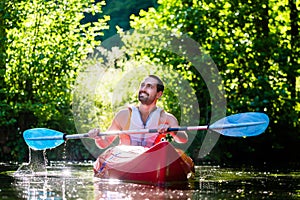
(161, 164)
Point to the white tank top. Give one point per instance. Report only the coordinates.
(136, 122)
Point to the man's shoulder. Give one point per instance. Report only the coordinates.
(166, 115)
(124, 111)
(122, 118)
(164, 112)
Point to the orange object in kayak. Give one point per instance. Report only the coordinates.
(159, 165)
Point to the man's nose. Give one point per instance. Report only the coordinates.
(143, 88)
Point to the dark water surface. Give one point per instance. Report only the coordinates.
(75, 181)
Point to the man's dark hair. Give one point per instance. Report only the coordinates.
(160, 84)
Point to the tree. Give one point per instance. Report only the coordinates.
(120, 11)
(45, 43)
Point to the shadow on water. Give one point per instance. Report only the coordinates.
(61, 180)
(6, 189)
(230, 183)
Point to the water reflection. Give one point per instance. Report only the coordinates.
(137, 191)
(56, 182)
(76, 181)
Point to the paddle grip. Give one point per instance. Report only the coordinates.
(64, 137)
(177, 129)
(169, 129)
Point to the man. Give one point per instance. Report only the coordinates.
(144, 116)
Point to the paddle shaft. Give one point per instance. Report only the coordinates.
(141, 131)
(144, 131)
(111, 133)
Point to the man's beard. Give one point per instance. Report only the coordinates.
(145, 99)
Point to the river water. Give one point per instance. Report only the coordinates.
(63, 180)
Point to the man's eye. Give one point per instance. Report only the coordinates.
(149, 86)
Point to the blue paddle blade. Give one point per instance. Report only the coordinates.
(242, 125)
(43, 138)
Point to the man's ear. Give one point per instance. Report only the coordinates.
(159, 94)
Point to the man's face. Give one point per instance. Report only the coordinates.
(148, 91)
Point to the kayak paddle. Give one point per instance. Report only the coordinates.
(238, 125)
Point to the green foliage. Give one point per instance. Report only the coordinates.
(255, 45)
(120, 11)
(45, 43)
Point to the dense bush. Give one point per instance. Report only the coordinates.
(43, 44)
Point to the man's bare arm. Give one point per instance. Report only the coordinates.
(170, 120)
